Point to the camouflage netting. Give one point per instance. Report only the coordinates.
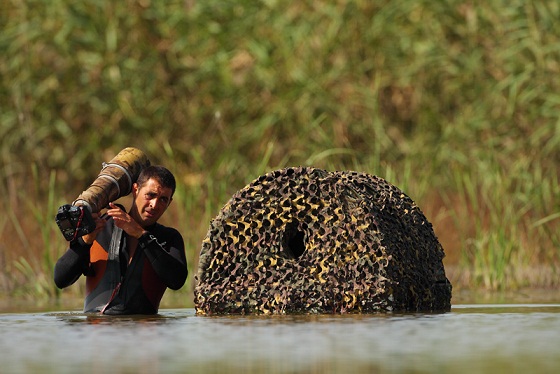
(304, 240)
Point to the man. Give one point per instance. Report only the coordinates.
(129, 259)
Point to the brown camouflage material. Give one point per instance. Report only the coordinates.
(305, 240)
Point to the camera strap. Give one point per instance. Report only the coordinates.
(115, 245)
(79, 224)
(113, 264)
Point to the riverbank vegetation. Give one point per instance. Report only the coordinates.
(455, 102)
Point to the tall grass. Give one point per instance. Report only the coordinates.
(455, 102)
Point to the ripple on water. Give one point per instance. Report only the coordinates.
(509, 337)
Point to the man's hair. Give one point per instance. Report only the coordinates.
(160, 174)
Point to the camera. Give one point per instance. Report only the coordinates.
(74, 221)
(115, 180)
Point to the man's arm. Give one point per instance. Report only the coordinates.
(166, 254)
(75, 262)
(163, 246)
(72, 264)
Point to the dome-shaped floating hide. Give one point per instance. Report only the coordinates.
(304, 240)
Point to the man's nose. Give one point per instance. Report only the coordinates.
(154, 203)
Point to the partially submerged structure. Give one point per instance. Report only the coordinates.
(305, 240)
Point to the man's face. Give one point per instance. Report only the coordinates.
(150, 202)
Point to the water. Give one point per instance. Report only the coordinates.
(482, 338)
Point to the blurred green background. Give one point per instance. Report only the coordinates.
(456, 102)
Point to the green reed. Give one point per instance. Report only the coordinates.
(32, 219)
(455, 102)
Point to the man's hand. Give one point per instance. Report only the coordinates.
(124, 221)
(99, 225)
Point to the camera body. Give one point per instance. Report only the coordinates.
(74, 221)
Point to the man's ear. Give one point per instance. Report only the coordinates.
(134, 190)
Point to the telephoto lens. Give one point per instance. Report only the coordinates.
(114, 181)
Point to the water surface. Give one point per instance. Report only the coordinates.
(505, 338)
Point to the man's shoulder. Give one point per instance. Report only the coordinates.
(158, 228)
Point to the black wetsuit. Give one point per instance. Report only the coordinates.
(113, 286)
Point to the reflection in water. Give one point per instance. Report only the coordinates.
(98, 319)
(471, 338)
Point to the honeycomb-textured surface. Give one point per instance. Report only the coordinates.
(305, 240)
